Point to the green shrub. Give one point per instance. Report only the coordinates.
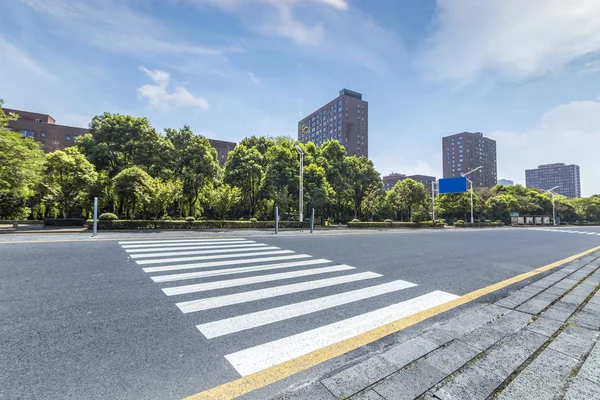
(64, 222)
(108, 217)
(355, 220)
(460, 224)
(460, 221)
(190, 219)
(167, 218)
(388, 220)
(253, 220)
(147, 224)
(393, 225)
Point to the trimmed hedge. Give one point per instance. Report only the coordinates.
(428, 224)
(495, 224)
(108, 217)
(64, 222)
(127, 224)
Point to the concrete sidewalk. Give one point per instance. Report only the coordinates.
(540, 342)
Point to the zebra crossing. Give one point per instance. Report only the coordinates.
(205, 269)
(567, 231)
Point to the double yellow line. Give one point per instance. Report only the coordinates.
(276, 373)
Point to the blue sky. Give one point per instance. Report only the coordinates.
(524, 73)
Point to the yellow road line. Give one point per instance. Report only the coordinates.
(276, 373)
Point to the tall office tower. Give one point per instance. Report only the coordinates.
(466, 151)
(345, 119)
(545, 177)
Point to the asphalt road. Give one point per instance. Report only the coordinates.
(82, 319)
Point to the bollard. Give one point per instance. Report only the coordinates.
(276, 220)
(95, 228)
(312, 220)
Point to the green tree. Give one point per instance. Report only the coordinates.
(224, 197)
(162, 194)
(318, 193)
(21, 165)
(68, 177)
(332, 159)
(200, 168)
(133, 191)
(499, 207)
(411, 194)
(281, 178)
(361, 175)
(374, 201)
(118, 141)
(244, 170)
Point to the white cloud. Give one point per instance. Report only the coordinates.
(328, 29)
(568, 133)
(20, 61)
(513, 39)
(114, 26)
(253, 78)
(159, 97)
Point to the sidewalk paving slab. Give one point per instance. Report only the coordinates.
(539, 342)
(542, 379)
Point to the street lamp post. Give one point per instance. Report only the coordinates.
(471, 182)
(301, 191)
(553, 206)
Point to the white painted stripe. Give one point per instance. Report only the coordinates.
(266, 355)
(216, 257)
(245, 297)
(179, 267)
(259, 318)
(581, 233)
(169, 245)
(592, 233)
(230, 271)
(179, 241)
(203, 287)
(221, 246)
(246, 247)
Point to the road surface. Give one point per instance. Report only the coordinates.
(157, 317)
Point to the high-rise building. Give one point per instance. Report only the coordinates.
(390, 180)
(345, 119)
(505, 182)
(466, 151)
(545, 177)
(43, 128)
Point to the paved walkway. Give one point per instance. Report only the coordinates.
(540, 342)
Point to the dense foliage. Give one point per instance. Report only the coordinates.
(139, 173)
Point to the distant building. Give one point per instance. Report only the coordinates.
(545, 177)
(345, 119)
(43, 128)
(223, 148)
(466, 151)
(505, 182)
(390, 180)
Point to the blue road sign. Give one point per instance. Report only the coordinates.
(453, 185)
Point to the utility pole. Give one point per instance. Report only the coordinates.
(471, 182)
(301, 191)
(551, 191)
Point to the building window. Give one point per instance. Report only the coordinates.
(38, 120)
(27, 133)
(68, 138)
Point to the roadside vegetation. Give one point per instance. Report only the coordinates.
(138, 173)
